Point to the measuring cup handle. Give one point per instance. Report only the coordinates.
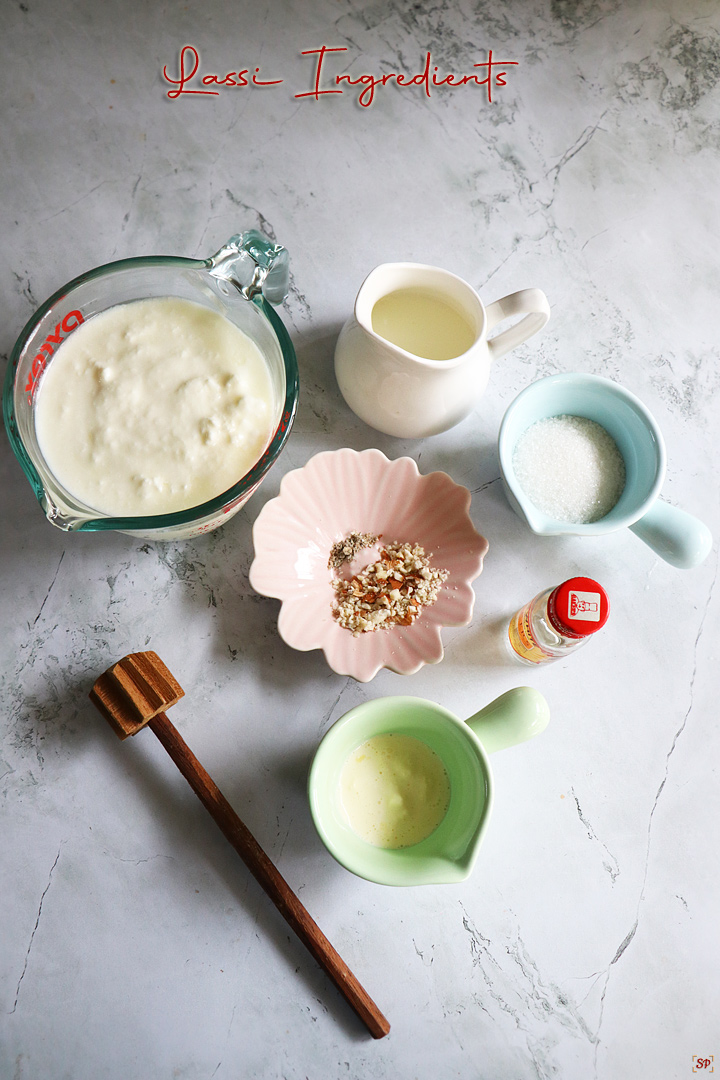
(514, 717)
(253, 264)
(532, 303)
(676, 536)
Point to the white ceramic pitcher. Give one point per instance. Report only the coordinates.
(411, 396)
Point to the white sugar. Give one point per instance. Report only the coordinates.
(570, 468)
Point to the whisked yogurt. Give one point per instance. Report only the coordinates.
(394, 790)
(154, 406)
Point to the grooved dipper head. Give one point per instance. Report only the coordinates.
(134, 690)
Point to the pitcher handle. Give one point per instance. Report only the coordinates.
(676, 536)
(532, 303)
(253, 264)
(514, 717)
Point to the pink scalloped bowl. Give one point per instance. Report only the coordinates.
(343, 491)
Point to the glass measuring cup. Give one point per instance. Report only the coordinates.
(237, 282)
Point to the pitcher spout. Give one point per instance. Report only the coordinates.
(376, 285)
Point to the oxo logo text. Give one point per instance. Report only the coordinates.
(71, 321)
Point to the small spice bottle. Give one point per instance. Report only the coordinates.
(558, 620)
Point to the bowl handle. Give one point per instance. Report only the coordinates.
(514, 717)
(676, 536)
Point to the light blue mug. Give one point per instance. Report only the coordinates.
(674, 535)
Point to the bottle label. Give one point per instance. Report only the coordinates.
(522, 640)
(584, 606)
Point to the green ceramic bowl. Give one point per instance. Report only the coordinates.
(449, 853)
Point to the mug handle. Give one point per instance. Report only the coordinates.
(532, 303)
(514, 717)
(676, 536)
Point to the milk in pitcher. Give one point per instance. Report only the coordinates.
(423, 324)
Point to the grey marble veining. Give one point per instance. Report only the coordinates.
(585, 943)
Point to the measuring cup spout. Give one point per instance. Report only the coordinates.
(514, 717)
(676, 536)
(253, 265)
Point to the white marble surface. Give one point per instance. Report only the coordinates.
(585, 945)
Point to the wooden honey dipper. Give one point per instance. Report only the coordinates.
(135, 692)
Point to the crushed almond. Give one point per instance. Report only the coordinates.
(390, 592)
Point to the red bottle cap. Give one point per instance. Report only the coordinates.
(578, 607)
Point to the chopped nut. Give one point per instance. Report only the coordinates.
(390, 592)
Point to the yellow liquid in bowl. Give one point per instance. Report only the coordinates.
(394, 791)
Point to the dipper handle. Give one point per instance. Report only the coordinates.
(131, 695)
(269, 877)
